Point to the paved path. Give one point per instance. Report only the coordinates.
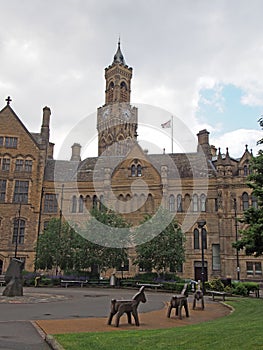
(57, 310)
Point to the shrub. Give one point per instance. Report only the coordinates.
(239, 289)
(215, 284)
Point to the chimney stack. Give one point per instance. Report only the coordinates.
(75, 155)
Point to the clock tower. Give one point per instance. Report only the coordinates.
(117, 120)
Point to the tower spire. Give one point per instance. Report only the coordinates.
(118, 57)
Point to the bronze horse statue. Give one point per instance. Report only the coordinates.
(119, 307)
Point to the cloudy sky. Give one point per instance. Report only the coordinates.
(198, 60)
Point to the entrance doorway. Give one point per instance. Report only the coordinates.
(198, 271)
(1, 266)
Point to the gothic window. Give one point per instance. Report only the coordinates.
(110, 92)
(95, 202)
(133, 170)
(1, 141)
(204, 238)
(19, 165)
(254, 201)
(28, 165)
(203, 202)
(150, 204)
(6, 164)
(196, 239)
(81, 204)
(195, 203)
(19, 231)
(134, 203)
(187, 202)
(142, 202)
(2, 190)
(74, 204)
(50, 203)
(101, 204)
(21, 191)
(171, 203)
(139, 170)
(245, 203)
(179, 203)
(216, 257)
(123, 92)
(245, 170)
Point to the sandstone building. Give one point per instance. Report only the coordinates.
(203, 185)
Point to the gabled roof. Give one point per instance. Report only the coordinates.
(9, 108)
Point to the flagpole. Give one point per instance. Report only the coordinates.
(172, 134)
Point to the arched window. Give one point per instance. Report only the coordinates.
(133, 170)
(101, 205)
(196, 239)
(139, 170)
(179, 203)
(142, 202)
(245, 203)
(95, 202)
(204, 238)
(203, 202)
(245, 170)
(254, 201)
(74, 204)
(171, 203)
(187, 202)
(110, 92)
(150, 204)
(19, 231)
(81, 204)
(195, 203)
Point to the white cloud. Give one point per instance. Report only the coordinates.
(54, 53)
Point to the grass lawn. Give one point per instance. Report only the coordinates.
(242, 329)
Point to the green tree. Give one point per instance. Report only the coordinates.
(252, 235)
(164, 251)
(61, 247)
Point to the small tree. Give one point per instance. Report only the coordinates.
(164, 251)
(252, 236)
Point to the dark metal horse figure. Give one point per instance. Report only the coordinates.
(119, 307)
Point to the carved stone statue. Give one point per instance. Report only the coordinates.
(13, 278)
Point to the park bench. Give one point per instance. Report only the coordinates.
(67, 283)
(2, 280)
(154, 286)
(215, 293)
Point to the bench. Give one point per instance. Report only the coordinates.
(2, 280)
(66, 283)
(215, 293)
(150, 285)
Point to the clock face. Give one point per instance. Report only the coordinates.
(127, 114)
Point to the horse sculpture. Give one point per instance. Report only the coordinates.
(119, 307)
(198, 296)
(177, 302)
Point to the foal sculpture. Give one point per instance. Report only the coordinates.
(119, 307)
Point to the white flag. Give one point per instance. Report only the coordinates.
(166, 125)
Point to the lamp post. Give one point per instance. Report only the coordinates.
(236, 230)
(201, 224)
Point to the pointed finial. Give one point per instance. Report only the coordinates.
(246, 148)
(8, 100)
(118, 57)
